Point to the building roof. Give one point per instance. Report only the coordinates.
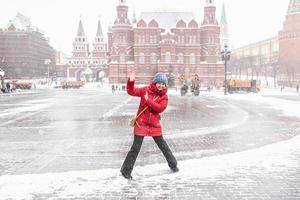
(167, 20)
(223, 16)
(80, 31)
(99, 29)
(294, 6)
(21, 22)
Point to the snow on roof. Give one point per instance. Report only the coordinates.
(167, 20)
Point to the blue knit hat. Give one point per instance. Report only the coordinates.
(160, 78)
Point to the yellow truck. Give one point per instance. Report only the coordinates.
(243, 85)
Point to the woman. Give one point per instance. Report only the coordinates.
(154, 101)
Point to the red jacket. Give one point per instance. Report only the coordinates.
(148, 124)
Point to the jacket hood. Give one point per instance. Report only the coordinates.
(155, 90)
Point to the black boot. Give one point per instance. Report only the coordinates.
(127, 176)
(175, 169)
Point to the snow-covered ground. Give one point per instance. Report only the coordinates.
(274, 158)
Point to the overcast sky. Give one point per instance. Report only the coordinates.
(249, 20)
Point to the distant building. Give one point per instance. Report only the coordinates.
(255, 61)
(86, 64)
(276, 57)
(170, 42)
(24, 49)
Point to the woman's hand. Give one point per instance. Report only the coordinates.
(132, 77)
(146, 96)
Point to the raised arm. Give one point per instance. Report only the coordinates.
(131, 90)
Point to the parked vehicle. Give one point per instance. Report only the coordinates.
(70, 84)
(243, 85)
(21, 84)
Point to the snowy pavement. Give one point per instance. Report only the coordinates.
(70, 144)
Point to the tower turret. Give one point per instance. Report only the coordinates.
(209, 13)
(80, 44)
(99, 48)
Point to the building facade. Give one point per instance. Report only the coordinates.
(85, 63)
(276, 57)
(256, 61)
(169, 42)
(24, 49)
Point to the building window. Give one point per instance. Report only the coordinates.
(143, 39)
(168, 57)
(180, 58)
(181, 39)
(122, 58)
(192, 58)
(142, 58)
(152, 39)
(122, 39)
(153, 59)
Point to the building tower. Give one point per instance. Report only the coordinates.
(224, 28)
(80, 54)
(210, 35)
(289, 46)
(80, 44)
(121, 54)
(99, 53)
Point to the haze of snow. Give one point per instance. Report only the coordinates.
(273, 158)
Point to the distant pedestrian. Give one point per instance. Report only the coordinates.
(8, 87)
(2, 82)
(297, 87)
(113, 89)
(154, 101)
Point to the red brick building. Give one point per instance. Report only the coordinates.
(289, 46)
(86, 64)
(170, 42)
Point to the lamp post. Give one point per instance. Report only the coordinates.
(225, 57)
(47, 62)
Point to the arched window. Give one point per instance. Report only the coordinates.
(180, 58)
(142, 58)
(122, 58)
(168, 57)
(153, 59)
(192, 58)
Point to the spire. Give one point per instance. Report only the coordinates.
(294, 6)
(134, 17)
(80, 31)
(122, 2)
(223, 17)
(224, 36)
(99, 29)
(209, 2)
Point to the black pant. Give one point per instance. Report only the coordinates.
(130, 159)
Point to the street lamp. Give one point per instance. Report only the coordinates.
(225, 57)
(47, 62)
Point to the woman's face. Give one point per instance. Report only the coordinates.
(160, 86)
